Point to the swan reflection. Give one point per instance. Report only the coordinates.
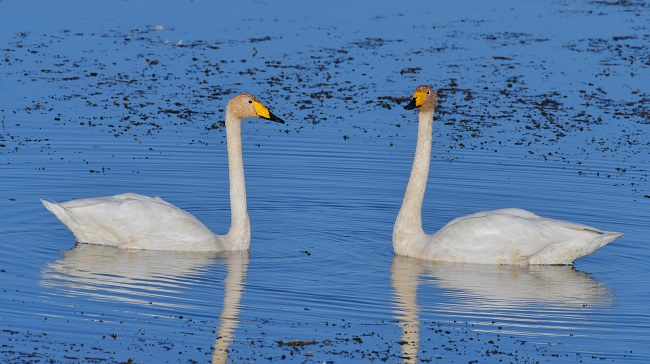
(482, 290)
(234, 287)
(146, 277)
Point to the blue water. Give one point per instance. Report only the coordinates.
(543, 106)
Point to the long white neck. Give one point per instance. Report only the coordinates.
(239, 235)
(408, 234)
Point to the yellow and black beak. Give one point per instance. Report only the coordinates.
(264, 113)
(274, 118)
(417, 101)
(411, 105)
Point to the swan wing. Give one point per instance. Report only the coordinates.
(134, 221)
(514, 236)
(509, 211)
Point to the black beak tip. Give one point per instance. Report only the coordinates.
(411, 105)
(275, 118)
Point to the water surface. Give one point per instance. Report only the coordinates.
(543, 106)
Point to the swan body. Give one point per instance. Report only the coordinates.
(506, 236)
(133, 221)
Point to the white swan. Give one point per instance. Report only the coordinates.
(133, 221)
(507, 236)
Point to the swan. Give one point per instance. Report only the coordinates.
(506, 236)
(132, 221)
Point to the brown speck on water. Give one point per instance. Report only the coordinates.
(263, 39)
(411, 70)
(299, 342)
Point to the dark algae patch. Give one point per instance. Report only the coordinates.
(497, 103)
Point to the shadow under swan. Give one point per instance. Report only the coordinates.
(479, 291)
(143, 277)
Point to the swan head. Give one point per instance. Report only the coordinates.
(248, 106)
(424, 99)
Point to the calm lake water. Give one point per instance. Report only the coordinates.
(543, 106)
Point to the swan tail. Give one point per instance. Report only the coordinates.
(565, 253)
(64, 215)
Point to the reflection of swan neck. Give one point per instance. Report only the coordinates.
(408, 225)
(404, 278)
(240, 231)
(233, 291)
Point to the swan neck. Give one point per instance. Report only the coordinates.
(239, 234)
(408, 226)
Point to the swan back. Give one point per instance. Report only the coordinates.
(133, 221)
(514, 236)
